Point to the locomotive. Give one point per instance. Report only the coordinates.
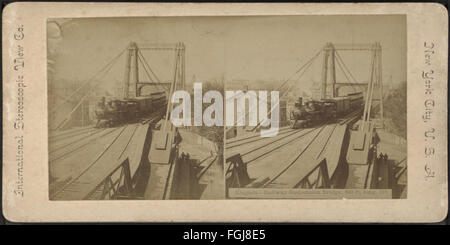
(117, 111)
(311, 112)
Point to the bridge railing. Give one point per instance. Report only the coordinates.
(321, 181)
(236, 173)
(117, 185)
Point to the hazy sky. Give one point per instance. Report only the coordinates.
(253, 48)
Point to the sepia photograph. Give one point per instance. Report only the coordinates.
(340, 107)
(220, 112)
(109, 89)
(341, 83)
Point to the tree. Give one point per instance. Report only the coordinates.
(395, 109)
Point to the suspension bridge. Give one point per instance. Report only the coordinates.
(351, 152)
(138, 155)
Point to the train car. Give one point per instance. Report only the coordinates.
(312, 112)
(144, 105)
(307, 114)
(337, 106)
(113, 112)
(158, 100)
(356, 100)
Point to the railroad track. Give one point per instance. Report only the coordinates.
(271, 145)
(70, 133)
(54, 146)
(285, 131)
(274, 145)
(300, 166)
(77, 186)
(256, 138)
(80, 146)
(116, 143)
(239, 140)
(212, 159)
(296, 158)
(83, 138)
(57, 136)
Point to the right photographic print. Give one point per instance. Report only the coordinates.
(316, 107)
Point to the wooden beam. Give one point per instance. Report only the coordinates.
(357, 47)
(157, 46)
(154, 83)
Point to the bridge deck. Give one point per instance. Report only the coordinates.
(284, 160)
(157, 184)
(205, 153)
(324, 142)
(81, 159)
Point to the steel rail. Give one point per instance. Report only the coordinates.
(109, 64)
(271, 142)
(83, 145)
(278, 147)
(347, 120)
(129, 140)
(203, 171)
(77, 140)
(90, 165)
(68, 132)
(260, 138)
(326, 142)
(123, 151)
(250, 137)
(295, 158)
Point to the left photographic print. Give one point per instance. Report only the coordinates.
(110, 81)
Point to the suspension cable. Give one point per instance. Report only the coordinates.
(158, 81)
(345, 66)
(303, 68)
(66, 119)
(147, 67)
(112, 61)
(146, 63)
(307, 64)
(298, 79)
(345, 74)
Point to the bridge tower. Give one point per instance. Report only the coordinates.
(132, 84)
(331, 57)
(376, 85)
(131, 76)
(328, 70)
(163, 141)
(363, 140)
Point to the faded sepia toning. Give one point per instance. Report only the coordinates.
(342, 89)
(62, 164)
(109, 84)
(342, 109)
